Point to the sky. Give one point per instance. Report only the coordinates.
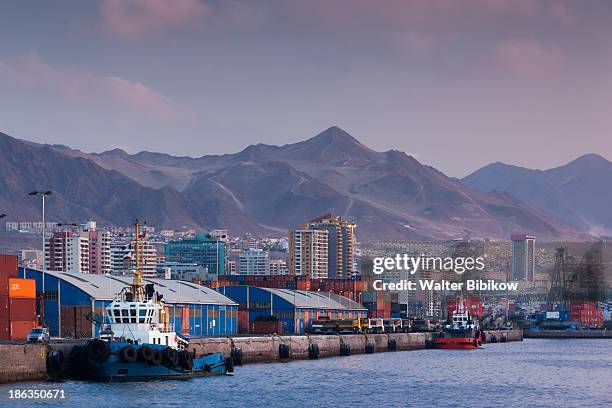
(456, 83)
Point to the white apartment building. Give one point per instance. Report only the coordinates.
(253, 262)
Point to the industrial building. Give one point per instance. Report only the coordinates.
(69, 297)
(292, 308)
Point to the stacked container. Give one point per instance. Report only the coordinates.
(17, 301)
(8, 270)
(74, 322)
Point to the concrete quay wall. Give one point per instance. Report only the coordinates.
(24, 362)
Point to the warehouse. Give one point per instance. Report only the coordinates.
(293, 309)
(69, 297)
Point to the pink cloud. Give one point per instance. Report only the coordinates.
(32, 72)
(133, 18)
(527, 59)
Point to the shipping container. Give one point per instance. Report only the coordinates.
(74, 323)
(185, 320)
(22, 288)
(5, 332)
(4, 285)
(243, 321)
(8, 266)
(265, 327)
(22, 309)
(4, 306)
(21, 328)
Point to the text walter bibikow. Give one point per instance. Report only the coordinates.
(412, 264)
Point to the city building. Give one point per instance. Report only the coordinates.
(203, 249)
(189, 272)
(253, 262)
(278, 267)
(67, 251)
(341, 244)
(523, 257)
(118, 255)
(294, 309)
(231, 267)
(123, 258)
(308, 253)
(99, 248)
(194, 310)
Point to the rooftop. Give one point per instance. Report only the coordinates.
(106, 287)
(303, 299)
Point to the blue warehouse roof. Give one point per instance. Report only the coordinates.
(303, 299)
(106, 287)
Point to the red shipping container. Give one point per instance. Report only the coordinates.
(4, 306)
(22, 309)
(4, 284)
(21, 328)
(5, 333)
(185, 320)
(8, 266)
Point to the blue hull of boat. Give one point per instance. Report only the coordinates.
(115, 369)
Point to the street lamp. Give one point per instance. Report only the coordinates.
(42, 194)
(2, 216)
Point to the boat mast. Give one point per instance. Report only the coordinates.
(137, 285)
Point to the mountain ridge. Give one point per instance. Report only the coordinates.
(265, 189)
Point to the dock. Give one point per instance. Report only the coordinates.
(27, 362)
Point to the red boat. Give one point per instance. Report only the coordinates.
(463, 333)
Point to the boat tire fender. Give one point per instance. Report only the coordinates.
(145, 354)
(156, 357)
(229, 365)
(313, 351)
(97, 350)
(56, 363)
(128, 354)
(170, 357)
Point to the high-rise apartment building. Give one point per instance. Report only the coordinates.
(335, 237)
(253, 262)
(99, 248)
(308, 252)
(67, 251)
(523, 257)
(341, 244)
(123, 258)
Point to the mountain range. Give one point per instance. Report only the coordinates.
(578, 193)
(266, 189)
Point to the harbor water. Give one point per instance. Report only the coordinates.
(537, 373)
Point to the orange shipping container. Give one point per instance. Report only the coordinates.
(22, 288)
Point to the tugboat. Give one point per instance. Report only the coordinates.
(139, 343)
(462, 333)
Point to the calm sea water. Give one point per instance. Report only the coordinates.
(534, 373)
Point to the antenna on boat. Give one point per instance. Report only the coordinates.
(137, 285)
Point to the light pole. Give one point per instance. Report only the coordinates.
(43, 194)
(2, 216)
